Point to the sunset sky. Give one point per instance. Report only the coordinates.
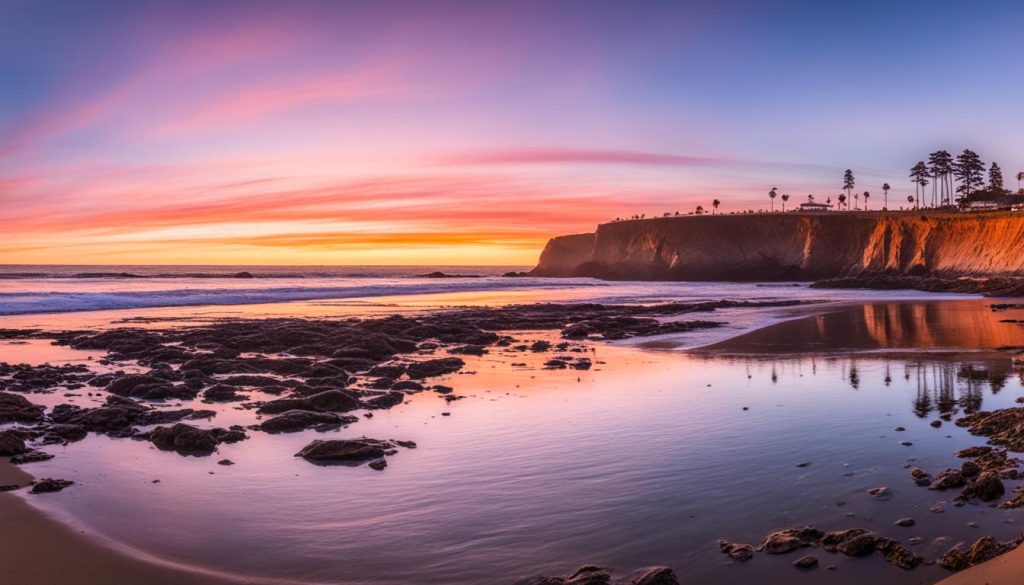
(466, 132)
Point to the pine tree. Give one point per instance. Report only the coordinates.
(995, 178)
(919, 175)
(968, 170)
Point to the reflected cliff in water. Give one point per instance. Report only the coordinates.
(925, 325)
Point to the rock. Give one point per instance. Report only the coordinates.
(906, 443)
(378, 464)
(148, 387)
(48, 485)
(12, 443)
(385, 400)
(656, 576)
(905, 522)
(806, 563)
(64, 433)
(897, 554)
(297, 420)
(188, 440)
(785, 541)
(881, 493)
(225, 462)
(804, 464)
(326, 401)
(986, 487)
(345, 450)
(223, 393)
(970, 469)
(858, 546)
(434, 367)
(948, 479)
(16, 408)
(936, 423)
(736, 551)
(31, 457)
(831, 541)
(920, 476)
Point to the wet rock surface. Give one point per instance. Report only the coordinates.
(189, 440)
(594, 575)
(349, 451)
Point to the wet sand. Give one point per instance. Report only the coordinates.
(33, 543)
(1003, 570)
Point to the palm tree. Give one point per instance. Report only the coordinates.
(810, 198)
(700, 209)
(885, 193)
(785, 198)
(1020, 177)
(910, 199)
(866, 196)
(856, 199)
(772, 195)
(714, 206)
(842, 200)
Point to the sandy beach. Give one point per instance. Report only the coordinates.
(42, 551)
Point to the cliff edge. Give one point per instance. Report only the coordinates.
(793, 246)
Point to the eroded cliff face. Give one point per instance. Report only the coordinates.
(792, 246)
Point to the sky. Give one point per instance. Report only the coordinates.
(215, 132)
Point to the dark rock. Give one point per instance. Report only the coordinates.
(905, 522)
(986, 487)
(785, 541)
(806, 563)
(48, 485)
(434, 367)
(897, 554)
(31, 457)
(223, 393)
(12, 443)
(326, 401)
(385, 400)
(189, 440)
(739, 552)
(831, 541)
(297, 420)
(858, 546)
(16, 408)
(656, 576)
(951, 478)
(345, 450)
(378, 464)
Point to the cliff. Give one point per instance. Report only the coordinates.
(793, 246)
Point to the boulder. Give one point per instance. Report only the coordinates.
(17, 408)
(345, 450)
(434, 367)
(297, 420)
(188, 440)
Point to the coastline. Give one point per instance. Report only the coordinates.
(84, 560)
(91, 561)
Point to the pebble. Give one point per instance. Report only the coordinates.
(905, 522)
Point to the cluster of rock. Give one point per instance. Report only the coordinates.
(993, 286)
(594, 575)
(852, 542)
(979, 477)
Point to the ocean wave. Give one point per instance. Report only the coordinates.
(24, 303)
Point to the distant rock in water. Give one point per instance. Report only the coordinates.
(243, 274)
(793, 246)
(439, 274)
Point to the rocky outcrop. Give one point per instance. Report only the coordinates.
(792, 246)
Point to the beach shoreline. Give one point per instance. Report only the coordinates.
(100, 563)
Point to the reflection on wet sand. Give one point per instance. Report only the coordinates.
(970, 325)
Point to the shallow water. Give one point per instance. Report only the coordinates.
(649, 458)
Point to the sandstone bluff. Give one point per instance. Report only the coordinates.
(793, 246)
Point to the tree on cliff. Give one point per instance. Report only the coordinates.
(885, 194)
(772, 195)
(941, 168)
(919, 175)
(848, 183)
(866, 196)
(968, 170)
(785, 198)
(714, 206)
(995, 178)
(842, 201)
